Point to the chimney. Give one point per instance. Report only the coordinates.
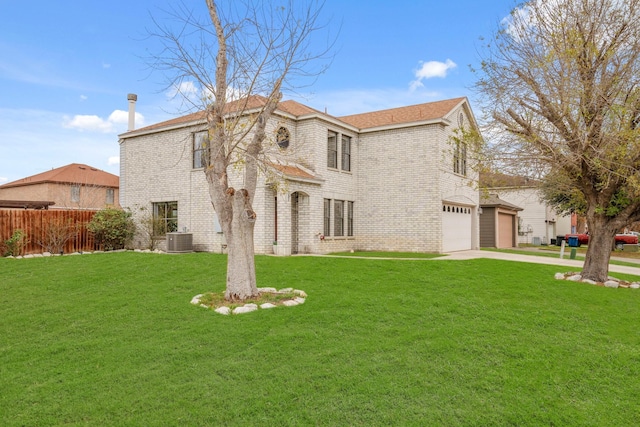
(132, 97)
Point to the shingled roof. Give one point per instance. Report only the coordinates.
(75, 173)
(255, 102)
(394, 116)
(401, 115)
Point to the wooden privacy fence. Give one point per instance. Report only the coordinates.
(48, 230)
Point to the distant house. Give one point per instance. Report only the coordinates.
(75, 186)
(390, 180)
(538, 223)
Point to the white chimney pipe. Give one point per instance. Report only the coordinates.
(132, 97)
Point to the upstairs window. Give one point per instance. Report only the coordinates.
(460, 158)
(282, 137)
(110, 196)
(200, 141)
(346, 153)
(75, 193)
(332, 150)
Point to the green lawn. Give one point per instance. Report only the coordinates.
(111, 339)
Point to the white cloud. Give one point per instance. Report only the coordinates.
(113, 160)
(431, 69)
(3, 179)
(83, 97)
(93, 123)
(105, 65)
(38, 148)
(186, 89)
(88, 123)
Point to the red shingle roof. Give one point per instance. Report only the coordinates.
(75, 173)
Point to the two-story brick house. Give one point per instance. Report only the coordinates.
(74, 186)
(391, 180)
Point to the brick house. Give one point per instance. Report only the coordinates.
(74, 186)
(391, 180)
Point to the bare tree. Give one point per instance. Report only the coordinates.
(560, 82)
(239, 61)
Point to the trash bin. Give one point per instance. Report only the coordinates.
(559, 240)
(573, 241)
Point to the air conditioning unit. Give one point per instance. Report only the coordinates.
(179, 242)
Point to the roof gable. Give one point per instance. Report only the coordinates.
(74, 173)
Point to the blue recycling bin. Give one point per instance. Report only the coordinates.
(573, 241)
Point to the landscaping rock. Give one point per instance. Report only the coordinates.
(590, 282)
(267, 290)
(290, 303)
(611, 284)
(223, 310)
(575, 278)
(286, 290)
(300, 293)
(299, 300)
(46, 253)
(559, 276)
(267, 305)
(247, 308)
(635, 285)
(196, 300)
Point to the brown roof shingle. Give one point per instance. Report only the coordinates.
(409, 114)
(75, 173)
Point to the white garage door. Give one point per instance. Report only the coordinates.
(456, 228)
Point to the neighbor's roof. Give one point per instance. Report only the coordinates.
(409, 114)
(75, 173)
(492, 200)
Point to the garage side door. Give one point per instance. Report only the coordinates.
(456, 228)
(505, 230)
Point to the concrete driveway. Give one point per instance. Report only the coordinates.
(570, 263)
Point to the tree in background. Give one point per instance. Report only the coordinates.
(239, 61)
(560, 83)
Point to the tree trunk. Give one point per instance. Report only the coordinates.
(602, 233)
(241, 271)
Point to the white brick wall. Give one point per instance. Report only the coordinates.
(398, 181)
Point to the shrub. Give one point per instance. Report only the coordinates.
(56, 233)
(15, 244)
(112, 228)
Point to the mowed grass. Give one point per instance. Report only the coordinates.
(111, 339)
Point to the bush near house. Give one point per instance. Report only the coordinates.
(112, 228)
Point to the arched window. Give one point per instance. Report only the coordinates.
(282, 137)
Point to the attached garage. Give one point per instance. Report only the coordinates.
(457, 226)
(498, 223)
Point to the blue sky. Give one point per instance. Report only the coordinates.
(67, 66)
